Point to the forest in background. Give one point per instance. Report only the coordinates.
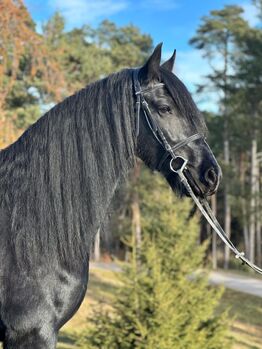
(167, 251)
(39, 70)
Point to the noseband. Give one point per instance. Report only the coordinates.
(178, 164)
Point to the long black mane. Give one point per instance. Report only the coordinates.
(183, 99)
(57, 179)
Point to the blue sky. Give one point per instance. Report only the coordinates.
(172, 22)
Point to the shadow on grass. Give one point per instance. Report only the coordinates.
(246, 313)
(245, 345)
(247, 330)
(243, 307)
(99, 289)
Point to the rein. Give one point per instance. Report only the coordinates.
(178, 164)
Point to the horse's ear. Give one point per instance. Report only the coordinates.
(150, 71)
(169, 64)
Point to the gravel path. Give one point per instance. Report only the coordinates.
(245, 284)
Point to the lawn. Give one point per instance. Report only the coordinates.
(245, 310)
(247, 313)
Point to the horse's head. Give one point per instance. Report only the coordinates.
(169, 115)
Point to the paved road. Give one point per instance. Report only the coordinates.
(104, 266)
(237, 282)
(246, 284)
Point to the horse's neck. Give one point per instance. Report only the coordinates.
(71, 186)
(107, 203)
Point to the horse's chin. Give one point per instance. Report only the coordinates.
(194, 184)
(176, 185)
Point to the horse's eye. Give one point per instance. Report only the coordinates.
(164, 109)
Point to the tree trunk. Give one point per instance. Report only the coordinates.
(258, 213)
(258, 232)
(97, 253)
(136, 217)
(214, 235)
(253, 183)
(136, 220)
(244, 205)
(245, 227)
(227, 207)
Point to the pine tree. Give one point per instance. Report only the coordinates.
(215, 37)
(163, 302)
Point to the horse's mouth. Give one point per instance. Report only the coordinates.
(199, 189)
(194, 184)
(178, 187)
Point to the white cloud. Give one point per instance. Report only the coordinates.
(192, 68)
(79, 12)
(250, 14)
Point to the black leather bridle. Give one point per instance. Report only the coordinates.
(178, 165)
(156, 130)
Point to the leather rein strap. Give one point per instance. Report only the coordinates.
(178, 164)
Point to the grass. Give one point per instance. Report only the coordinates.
(245, 310)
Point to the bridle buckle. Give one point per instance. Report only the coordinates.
(178, 164)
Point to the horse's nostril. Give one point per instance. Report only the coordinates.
(211, 176)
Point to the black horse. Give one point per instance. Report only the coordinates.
(57, 181)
